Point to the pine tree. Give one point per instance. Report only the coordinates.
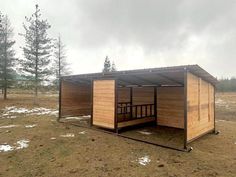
(107, 65)
(113, 67)
(1, 51)
(7, 55)
(37, 50)
(62, 67)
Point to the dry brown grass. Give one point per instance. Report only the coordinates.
(98, 154)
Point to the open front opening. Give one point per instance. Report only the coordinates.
(154, 114)
(136, 105)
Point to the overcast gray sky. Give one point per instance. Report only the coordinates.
(137, 33)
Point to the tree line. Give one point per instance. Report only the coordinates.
(226, 85)
(44, 58)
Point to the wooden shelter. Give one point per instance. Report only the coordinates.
(181, 96)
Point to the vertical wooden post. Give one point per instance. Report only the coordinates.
(59, 100)
(131, 102)
(116, 106)
(214, 109)
(155, 103)
(199, 98)
(91, 119)
(185, 107)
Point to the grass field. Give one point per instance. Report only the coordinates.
(32, 143)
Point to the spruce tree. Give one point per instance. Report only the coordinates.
(107, 65)
(62, 67)
(113, 67)
(37, 50)
(7, 55)
(1, 51)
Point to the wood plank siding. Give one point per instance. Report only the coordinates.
(123, 94)
(170, 106)
(143, 95)
(75, 99)
(200, 106)
(104, 103)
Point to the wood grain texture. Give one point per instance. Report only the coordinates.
(75, 99)
(136, 122)
(123, 94)
(200, 98)
(170, 106)
(143, 95)
(104, 103)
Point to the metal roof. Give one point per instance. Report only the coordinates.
(164, 76)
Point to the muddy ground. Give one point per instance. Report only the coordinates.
(56, 149)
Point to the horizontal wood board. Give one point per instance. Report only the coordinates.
(170, 106)
(75, 99)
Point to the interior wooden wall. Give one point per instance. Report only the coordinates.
(104, 103)
(123, 94)
(75, 99)
(170, 106)
(200, 99)
(143, 95)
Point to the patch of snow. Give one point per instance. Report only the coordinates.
(222, 103)
(221, 120)
(22, 144)
(78, 117)
(68, 135)
(144, 132)
(19, 145)
(5, 148)
(52, 138)
(82, 133)
(19, 110)
(30, 126)
(9, 126)
(87, 116)
(74, 118)
(144, 160)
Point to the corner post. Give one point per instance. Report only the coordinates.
(91, 119)
(131, 102)
(116, 105)
(185, 106)
(59, 100)
(215, 131)
(155, 103)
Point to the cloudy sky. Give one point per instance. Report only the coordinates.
(137, 33)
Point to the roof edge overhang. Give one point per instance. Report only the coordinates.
(194, 69)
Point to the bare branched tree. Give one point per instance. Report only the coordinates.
(62, 66)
